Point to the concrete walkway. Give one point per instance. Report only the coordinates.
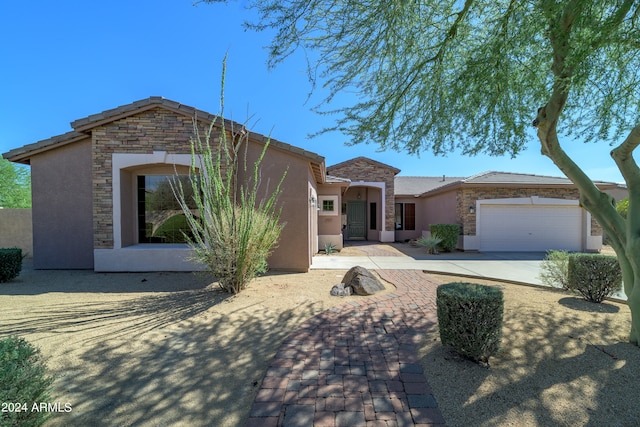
(523, 267)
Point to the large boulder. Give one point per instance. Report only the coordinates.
(362, 281)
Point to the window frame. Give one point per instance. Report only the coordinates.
(334, 204)
(407, 219)
(141, 209)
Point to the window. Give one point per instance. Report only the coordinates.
(405, 216)
(328, 205)
(373, 216)
(160, 217)
(409, 216)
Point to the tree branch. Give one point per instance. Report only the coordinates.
(623, 156)
(595, 201)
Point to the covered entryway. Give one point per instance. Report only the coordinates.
(530, 226)
(356, 220)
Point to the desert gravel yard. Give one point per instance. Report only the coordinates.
(156, 349)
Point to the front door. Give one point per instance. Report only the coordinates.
(356, 220)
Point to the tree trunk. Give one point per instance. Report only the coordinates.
(624, 234)
(633, 298)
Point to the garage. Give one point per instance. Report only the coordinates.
(530, 227)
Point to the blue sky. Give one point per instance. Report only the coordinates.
(65, 60)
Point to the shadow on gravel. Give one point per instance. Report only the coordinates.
(36, 282)
(584, 305)
(182, 358)
(202, 372)
(131, 316)
(554, 368)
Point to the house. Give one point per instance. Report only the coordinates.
(94, 189)
(100, 198)
(499, 211)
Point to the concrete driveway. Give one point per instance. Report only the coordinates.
(519, 267)
(513, 266)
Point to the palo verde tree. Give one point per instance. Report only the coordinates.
(233, 217)
(473, 75)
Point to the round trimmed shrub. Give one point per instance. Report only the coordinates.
(470, 319)
(594, 276)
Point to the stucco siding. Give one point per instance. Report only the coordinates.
(329, 225)
(439, 209)
(293, 251)
(420, 220)
(62, 207)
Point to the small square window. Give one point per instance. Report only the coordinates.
(328, 205)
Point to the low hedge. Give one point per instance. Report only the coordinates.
(23, 382)
(594, 276)
(470, 319)
(10, 263)
(448, 233)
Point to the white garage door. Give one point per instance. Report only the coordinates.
(530, 228)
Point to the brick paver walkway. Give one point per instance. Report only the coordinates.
(355, 364)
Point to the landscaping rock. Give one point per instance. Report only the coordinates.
(340, 290)
(362, 281)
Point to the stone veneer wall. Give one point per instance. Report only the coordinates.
(156, 129)
(362, 170)
(467, 197)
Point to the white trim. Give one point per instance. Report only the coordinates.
(145, 258)
(387, 236)
(382, 186)
(532, 200)
(121, 161)
(333, 212)
(140, 257)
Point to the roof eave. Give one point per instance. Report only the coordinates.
(23, 154)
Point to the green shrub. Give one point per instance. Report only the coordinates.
(23, 380)
(594, 276)
(448, 233)
(329, 248)
(623, 207)
(431, 243)
(235, 224)
(470, 319)
(554, 269)
(10, 263)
